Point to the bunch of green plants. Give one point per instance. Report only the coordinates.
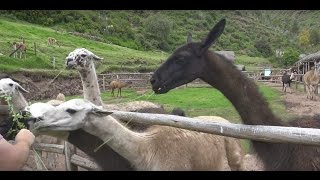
(17, 118)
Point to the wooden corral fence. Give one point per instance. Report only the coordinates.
(72, 160)
(277, 80)
(139, 80)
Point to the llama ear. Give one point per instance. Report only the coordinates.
(101, 112)
(213, 35)
(95, 57)
(20, 88)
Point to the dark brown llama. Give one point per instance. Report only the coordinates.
(194, 60)
(116, 84)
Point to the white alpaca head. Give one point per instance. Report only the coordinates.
(80, 58)
(9, 87)
(68, 116)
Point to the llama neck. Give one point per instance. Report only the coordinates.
(18, 101)
(106, 157)
(91, 90)
(127, 143)
(241, 91)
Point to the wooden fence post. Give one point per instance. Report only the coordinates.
(104, 82)
(35, 48)
(69, 150)
(54, 62)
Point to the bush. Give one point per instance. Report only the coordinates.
(290, 56)
(263, 47)
(157, 30)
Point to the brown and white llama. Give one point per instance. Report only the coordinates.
(286, 81)
(311, 80)
(19, 47)
(195, 60)
(156, 148)
(53, 41)
(117, 84)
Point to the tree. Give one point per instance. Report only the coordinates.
(304, 37)
(263, 47)
(314, 37)
(295, 27)
(158, 28)
(290, 56)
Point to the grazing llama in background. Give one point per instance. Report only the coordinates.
(52, 41)
(194, 60)
(116, 84)
(286, 81)
(156, 148)
(19, 47)
(311, 80)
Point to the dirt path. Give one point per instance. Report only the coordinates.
(297, 102)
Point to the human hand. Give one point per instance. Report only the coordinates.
(24, 135)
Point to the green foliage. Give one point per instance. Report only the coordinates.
(290, 56)
(304, 37)
(17, 125)
(158, 28)
(149, 30)
(295, 27)
(263, 47)
(314, 37)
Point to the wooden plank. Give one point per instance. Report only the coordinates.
(276, 134)
(69, 150)
(85, 163)
(55, 148)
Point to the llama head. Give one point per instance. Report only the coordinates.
(186, 63)
(8, 87)
(80, 58)
(68, 116)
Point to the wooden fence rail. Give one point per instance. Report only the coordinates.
(75, 160)
(275, 134)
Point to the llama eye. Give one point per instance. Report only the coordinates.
(71, 111)
(10, 84)
(83, 55)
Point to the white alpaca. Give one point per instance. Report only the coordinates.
(13, 89)
(157, 148)
(83, 60)
(80, 139)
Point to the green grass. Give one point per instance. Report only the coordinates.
(252, 61)
(116, 57)
(197, 101)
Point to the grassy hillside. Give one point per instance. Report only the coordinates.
(139, 29)
(137, 40)
(115, 57)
